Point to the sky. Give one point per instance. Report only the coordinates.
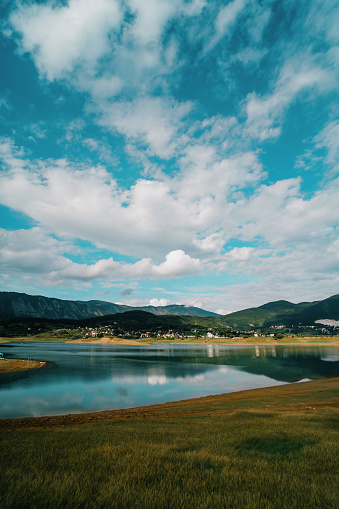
(170, 151)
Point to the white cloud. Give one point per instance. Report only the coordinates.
(125, 58)
(184, 214)
(159, 302)
(104, 87)
(103, 47)
(328, 138)
(249, 56)
(296, 275)
(283, 217)
(322, 20)
(151, 17)
(10, 155)
(177, 264)
(225, 21)
(31, 251)
(240, 253)
(264, 114)
(149, 219)
(228, 15)
(61, 37)
(212, 243)
(206, 174)
(5, 103)
(221, 311)
(148, 120)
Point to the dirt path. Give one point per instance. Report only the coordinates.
(297, 397)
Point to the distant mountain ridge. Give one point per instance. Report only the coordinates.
(284, 313)
(15, 305)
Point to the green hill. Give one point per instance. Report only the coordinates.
(273, 314)
(284, 313)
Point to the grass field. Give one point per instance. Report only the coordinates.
(266, 448)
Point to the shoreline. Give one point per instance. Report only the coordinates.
(221, 342)
(16, 365)
(295, 397)
(253, 341)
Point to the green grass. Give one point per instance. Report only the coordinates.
(243, 460)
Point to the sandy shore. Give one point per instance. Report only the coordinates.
(109, 341)
(251, 341)
(296, 397)
(13, 365)
(217, 341)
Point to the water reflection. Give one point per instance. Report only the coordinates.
(79, 378)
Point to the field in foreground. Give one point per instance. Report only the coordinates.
(265, 448)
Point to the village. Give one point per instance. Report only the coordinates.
(276, 332)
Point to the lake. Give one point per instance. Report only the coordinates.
(86, 377)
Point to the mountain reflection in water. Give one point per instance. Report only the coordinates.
(80, 378)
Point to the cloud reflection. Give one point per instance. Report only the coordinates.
(157, 380)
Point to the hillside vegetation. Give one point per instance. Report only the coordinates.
(272, 318)
(284, 313)
(16, 305)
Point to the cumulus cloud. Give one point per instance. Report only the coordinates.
(151, 17)
(60, 37)
(191, 192)
(31, 251)
(202, 168)
(35, 252)
(240, 253)
(153, 121)
(149, 219)
(177, 264)
(159, 302)
(153, 216)
(301, 221)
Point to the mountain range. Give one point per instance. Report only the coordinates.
(16, 305)
(273, 314)
(284, 313)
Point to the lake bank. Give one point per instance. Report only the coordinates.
(295, 397)
(15, 365)
(222, 341)
(251, 341)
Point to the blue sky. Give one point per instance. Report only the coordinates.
(170, 151)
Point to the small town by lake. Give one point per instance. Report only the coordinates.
(85, 377)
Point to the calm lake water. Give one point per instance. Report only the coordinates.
(84, 378)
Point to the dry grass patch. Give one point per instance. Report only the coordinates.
(254, 457)
(13, 365)
(243, 460)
